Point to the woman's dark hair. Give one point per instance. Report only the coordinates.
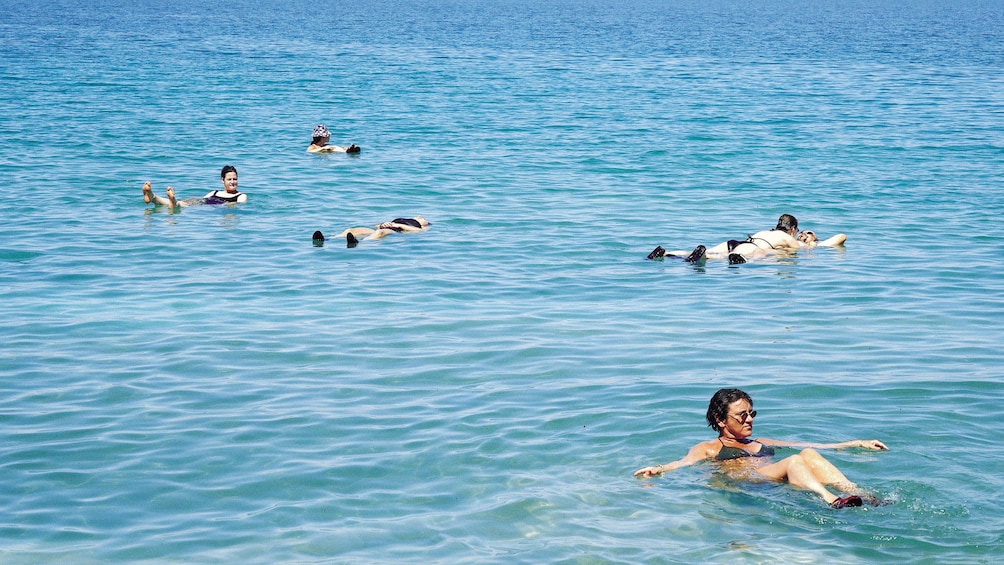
(718, 408)
(787, 222)
(228, 169)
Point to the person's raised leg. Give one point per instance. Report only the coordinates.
(798, 473)
(171, 198)
(825, 472)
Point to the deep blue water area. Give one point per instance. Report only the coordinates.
(207, 385)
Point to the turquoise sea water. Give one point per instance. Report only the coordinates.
(208, 386)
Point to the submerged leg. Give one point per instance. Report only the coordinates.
(380, 233)
(356, 232)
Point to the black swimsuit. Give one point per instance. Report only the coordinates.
(407, 222)
(733, 243)
(727, 453)
(215, 198)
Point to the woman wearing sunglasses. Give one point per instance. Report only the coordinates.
(731, 414)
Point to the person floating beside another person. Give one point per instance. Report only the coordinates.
(781, 238)
(731, 414)
(229, 194)
(320, 143)
(398, 225)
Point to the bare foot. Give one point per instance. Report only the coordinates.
(170, 196)
(147, 193)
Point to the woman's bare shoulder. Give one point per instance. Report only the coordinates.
(705, 449)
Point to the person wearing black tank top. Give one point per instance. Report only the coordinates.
(229, 194)
(731, 414)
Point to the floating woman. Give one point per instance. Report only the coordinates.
(229, 194)
(731, 414)
(319, 144)
(397, 225)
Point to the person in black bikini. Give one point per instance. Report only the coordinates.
(397, 225)
(755, 246)
(229, 194)
(731, 414)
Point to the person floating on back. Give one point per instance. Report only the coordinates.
(756, 246)
(320, 143)
(398, 225)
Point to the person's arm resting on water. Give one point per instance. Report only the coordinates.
(872, 444)
(697, 453)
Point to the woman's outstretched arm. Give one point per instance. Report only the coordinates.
(699, 452)
(872, 444)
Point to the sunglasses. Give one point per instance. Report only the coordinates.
(743, 416)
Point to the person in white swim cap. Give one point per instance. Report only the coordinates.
(321, 137)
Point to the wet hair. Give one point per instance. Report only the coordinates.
(786, 223)
(228, 169)
(718, 408)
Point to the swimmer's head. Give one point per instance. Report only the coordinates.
(718, 408)
(787, 223)
(422, 221)
(228, 176)
(321, 132)
(808, 236)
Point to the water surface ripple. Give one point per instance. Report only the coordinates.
(208, 386)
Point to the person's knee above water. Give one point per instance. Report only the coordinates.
(229, 194)
(731, 414)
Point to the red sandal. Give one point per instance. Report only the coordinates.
(846, 502)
